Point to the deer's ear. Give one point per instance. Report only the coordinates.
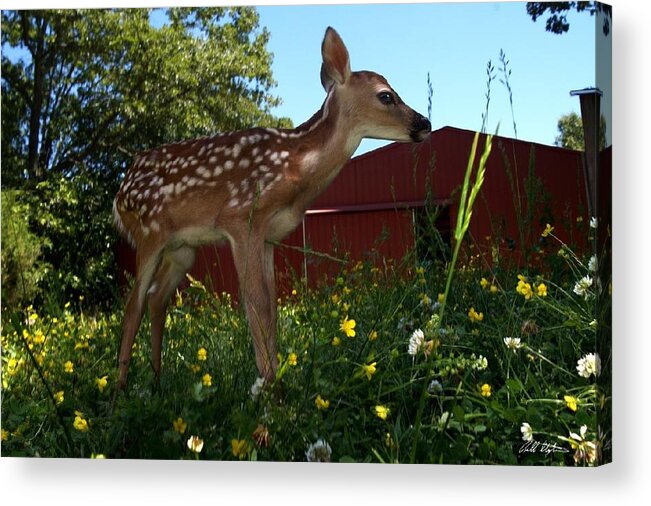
(336, 63)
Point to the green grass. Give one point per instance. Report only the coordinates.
(481, 393)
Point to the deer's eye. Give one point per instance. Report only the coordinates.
(386, 98)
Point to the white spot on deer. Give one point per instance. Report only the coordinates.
(272, 131)
(201, 151)
(227, 152)
(236, 150)
(310, 160)
(258, 159)
(185, 164)
(263, 168)
(233, 202)
(152, 289)
(167, 189)
(217, 171)
(180, 188)
(244, 163)
(154, 226)
(212, 159)
(203, 171)
(229, 164)
(255, 151)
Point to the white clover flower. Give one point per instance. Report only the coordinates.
(257, 387)
(481, 363)
(416, 342)
(512, 343)
(527, 432)
(582, 287)
(592, 264)
(195, 444)
(588, 365)
(319, 452)
(593, 222)
(435, 387)
(584, 450)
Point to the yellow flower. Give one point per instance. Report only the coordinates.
(486, 390)
(206, 380)
(58, 397)
(195, 368)
(346, 290)
(571, 402)
(97, 456)
(484, 283)
(547, 231)
(382, 411)
(31, 319)
(39, 337)
(494, 289)
(424, 298)
(321, 403)
(372, 336)
(335, 298)
(68, 367)
(441, 298)
(542, 290)
(239, 448)
(12, 366)
(292, 359)
(195, 444)
(336, 341)
(475, 316)
(202, 354)
(369, 370)
(101, 383)
(524, 288)
(80, 423)
(5, 435)
(347, 327)
(179, 425)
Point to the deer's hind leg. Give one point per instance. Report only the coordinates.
(172, 269)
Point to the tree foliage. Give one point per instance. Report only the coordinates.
(557, 20)
(85, 89)
(570, 132)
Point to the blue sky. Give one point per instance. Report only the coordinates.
(451, 41)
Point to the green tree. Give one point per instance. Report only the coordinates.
(84, 89)
(570, 132)
(557, 20)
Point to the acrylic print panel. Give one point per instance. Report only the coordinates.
(439, 297)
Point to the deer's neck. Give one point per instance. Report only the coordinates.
(324, 144)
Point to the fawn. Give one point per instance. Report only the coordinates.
(247, 188)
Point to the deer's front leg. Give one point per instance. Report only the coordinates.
(254, 264)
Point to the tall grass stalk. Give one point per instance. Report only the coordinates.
(468, 195)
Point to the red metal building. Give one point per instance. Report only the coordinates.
(377, 200)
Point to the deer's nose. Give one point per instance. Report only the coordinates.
(420, 127)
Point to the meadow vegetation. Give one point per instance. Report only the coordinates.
(460, 358)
